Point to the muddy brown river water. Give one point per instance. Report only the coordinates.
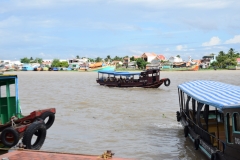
(132, 122)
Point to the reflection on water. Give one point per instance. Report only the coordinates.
(132, 122)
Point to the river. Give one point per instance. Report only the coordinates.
(132, 122)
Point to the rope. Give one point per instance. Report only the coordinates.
(12, 120)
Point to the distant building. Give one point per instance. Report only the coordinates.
(126, 60)
(175, 59)
(207, 60)
(148, 57)
(238, 61)
(47, 62)
(161, 57)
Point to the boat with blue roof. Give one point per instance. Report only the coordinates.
(146, 79)
(210, 115)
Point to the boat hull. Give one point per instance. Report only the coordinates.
(156, 84)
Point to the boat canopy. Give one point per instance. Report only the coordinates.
(4, 79)
(119, 73)
(217, 94)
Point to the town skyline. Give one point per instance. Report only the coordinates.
(97, 28)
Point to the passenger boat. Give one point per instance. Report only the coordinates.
(210, 115)
(27, 67)
(146, 79)
(14, 126)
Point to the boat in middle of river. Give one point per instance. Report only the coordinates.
(147, 79)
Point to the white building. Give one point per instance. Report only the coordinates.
(175, 59)
(148, 57)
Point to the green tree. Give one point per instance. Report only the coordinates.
(225, 60)
(141, 63)
(108, 57)
(98, 59)
(25, 60)
(37, 60)
(63, 64)
(91, 60)
(55, 63)
(178, 56)
(132, 58)
(77, 57)
(116, 58)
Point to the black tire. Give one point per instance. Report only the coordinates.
(12, 133)
(38, 127)
(196, 143)
(167, 82)
(178, 116)
(51, 118)
(185, 131)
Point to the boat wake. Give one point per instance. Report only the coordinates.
(167, 125)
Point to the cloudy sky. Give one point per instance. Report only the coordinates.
(96, 28)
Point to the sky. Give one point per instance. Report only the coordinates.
(63, 29)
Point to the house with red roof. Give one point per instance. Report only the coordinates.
(148, 57)
(161, 57)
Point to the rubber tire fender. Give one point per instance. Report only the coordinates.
(185, 131)
(50, 116)
(167, 82)
(15, 134)
(39, 127)
(196, 143)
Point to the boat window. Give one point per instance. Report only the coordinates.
(229, 127)
(236, 122)
(3, 92)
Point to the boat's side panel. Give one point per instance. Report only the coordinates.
(40, 155)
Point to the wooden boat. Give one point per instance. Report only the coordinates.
(14, 126)
(146, 79)
(46, 155)
(95, 65)
(210, 115)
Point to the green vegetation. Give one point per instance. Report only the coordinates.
(31, 60)
(226, 60)
(141, 63)
(57, 63)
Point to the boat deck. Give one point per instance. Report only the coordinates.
(43, 155)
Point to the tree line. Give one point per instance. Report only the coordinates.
(225, 60)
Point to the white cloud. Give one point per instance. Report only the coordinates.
(234, 40)
(213, 41)
(167, 49)
(181, 47)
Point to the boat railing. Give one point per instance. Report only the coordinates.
(213, 137)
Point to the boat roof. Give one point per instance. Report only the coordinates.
(217, 94)
(7, 78)
(119, 73)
